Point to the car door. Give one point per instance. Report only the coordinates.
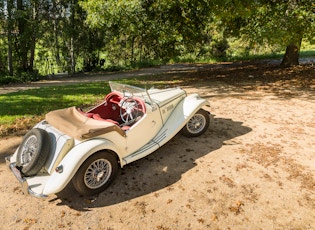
(144, 130)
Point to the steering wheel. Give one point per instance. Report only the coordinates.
(129, 110)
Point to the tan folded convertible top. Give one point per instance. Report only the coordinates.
(75, 124)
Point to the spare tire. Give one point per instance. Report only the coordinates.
(33, 152)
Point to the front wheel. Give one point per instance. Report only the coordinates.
(96, 173)
(197, 124)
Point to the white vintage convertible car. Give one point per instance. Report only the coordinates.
(88, 148)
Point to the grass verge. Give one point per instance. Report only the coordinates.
(20, 111)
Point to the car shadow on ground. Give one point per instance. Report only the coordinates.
(158, 170)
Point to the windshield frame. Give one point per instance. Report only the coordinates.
(129, 91)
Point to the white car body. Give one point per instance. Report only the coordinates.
(165, 113)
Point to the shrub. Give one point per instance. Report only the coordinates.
(28, 76)
(20, 77)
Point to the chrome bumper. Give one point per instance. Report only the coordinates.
(18, 175)
(25, 187)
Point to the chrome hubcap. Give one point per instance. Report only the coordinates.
(97, 174)
(196, 124)
(28, 149)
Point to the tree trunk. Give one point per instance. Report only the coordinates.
(56, 46)
(33, 36)
(72, 53)
(132, 49)
(30, 66)
(291, 56)
(22, 39)
(10, 28)
(56, 42)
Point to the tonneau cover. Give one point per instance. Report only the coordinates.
(75, 124)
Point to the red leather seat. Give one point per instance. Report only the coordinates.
(99, 118)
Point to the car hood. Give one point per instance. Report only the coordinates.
(164, 96)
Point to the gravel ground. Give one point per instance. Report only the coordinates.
(253, 169)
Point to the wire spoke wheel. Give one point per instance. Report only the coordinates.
(98, 173)
(28, 150)
(33, 151)
(197, 124)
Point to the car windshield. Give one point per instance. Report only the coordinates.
(129, 90)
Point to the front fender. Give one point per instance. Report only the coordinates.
(72, 161)
(180, 116)
(192, 104)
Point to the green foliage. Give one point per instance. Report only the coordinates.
(147, 30)
(6, 79)
(275, 22)
(92, 35)
(219, 49)
(20, 77)
(28, 76)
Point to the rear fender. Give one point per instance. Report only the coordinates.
(72, 161)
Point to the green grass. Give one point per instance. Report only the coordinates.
(21, 110)
(303, 54)
(307, 53)
(40, 101)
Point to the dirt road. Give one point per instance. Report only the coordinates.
(253, 169)
(63, 79)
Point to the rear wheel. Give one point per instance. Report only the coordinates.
(197, 124)
(96, 173)
(33, 152)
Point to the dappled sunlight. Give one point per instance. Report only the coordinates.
(257, 79)
(260, 139)
(247, 80)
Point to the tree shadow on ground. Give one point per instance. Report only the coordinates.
(242, 78)
(158, 170)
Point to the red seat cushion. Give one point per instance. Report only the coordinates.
(125, 128)
(99, 118)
